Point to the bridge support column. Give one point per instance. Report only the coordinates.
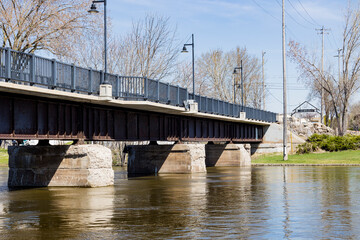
(177, 158)
(39, 166)
(221, 155)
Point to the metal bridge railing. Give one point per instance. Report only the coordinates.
(50, 73)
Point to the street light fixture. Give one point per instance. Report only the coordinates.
(184, 50)
(94, 10)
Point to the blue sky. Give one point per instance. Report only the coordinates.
(254, 24)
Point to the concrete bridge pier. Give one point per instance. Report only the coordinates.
(177, 158)
(221, 155)
(63, 165)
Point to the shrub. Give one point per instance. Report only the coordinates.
(318, 138)
(306, 147)
(329, 143)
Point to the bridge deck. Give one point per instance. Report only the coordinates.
(41, 113)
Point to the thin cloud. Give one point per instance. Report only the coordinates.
(321, 11)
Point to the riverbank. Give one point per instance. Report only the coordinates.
(4, 158)
(349, 157)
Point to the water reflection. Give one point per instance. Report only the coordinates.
(43, 213)
(238, 203)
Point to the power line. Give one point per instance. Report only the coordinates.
(308, 13)
(273, 96)
(291, 89)
(332, 34)
(266, 11)
(299, 13)
(277, 19)
(289, 15)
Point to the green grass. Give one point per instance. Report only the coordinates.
(3, 157)
(342, 157)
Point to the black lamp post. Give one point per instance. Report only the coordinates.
(184, 50)
(241, 83)
(235, 85)
(94, 10)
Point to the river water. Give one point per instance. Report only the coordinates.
(231, 203)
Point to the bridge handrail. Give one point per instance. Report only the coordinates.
(50, 73)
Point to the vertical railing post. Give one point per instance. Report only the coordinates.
(117, 92)
(206, 99)
(53, 74)
(90, 81)
(158, 90)
(212, 105)
(73, 78)
(168, 93)
(32, 69)
(199, 106)
(101, 76)
(146, 88)
(135, 86)
(178, 95)
(121, 86)
(7, 64)
(125, 86)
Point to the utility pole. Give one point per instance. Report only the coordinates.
(285, 156)
(263, 80)
(339, 56)
(242, 85)
(322, 31)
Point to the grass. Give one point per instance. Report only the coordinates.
(4, 157)
(335, 158)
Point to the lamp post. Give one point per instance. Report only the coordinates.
(235, 85)
(241, 83)
(94, 10)
(184, 50)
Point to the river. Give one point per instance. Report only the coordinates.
(231, 203)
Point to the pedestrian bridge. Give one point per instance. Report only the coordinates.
(46, 99)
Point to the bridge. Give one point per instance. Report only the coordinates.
(46, 99)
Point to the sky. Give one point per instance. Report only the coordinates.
(254, 24)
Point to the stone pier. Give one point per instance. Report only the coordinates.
(221, 155)
(177, 158)
(80, 166)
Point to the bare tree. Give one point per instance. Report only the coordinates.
(52, 25)
(216, 69)
(152, 43)
(339, 91)
(149, 50)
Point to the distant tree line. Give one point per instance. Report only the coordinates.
(150, 49)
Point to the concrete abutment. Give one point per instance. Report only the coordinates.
(91, 165)
(225, 155)
(64, 165)
(177, 158)
(186, 158)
